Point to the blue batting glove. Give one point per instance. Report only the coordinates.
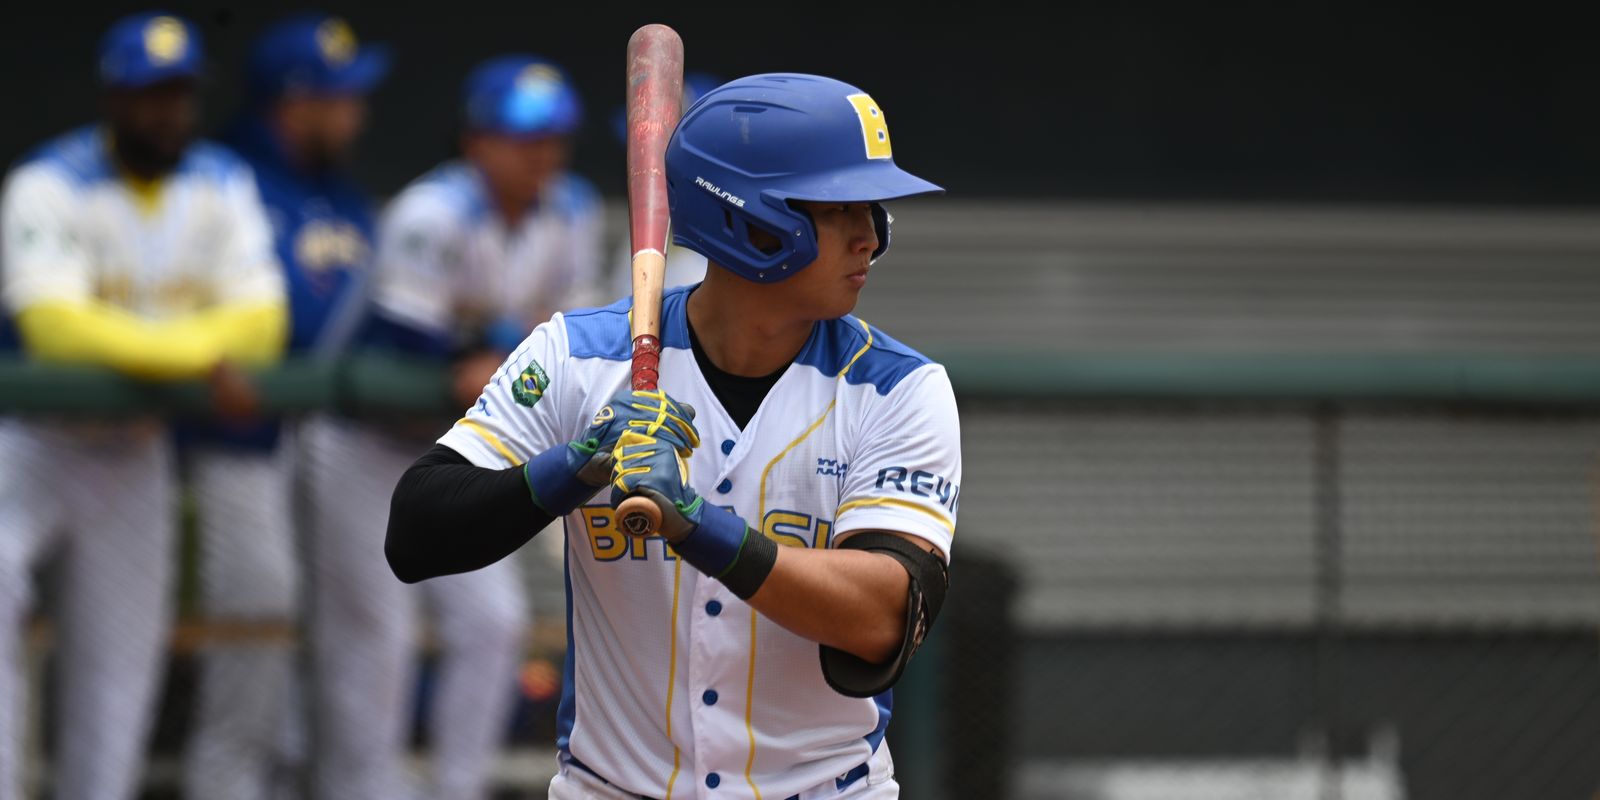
(563, 478)
(713, 540)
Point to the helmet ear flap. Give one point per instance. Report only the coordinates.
(760, 240)
(771, 252)
(751, 244)
(881, 222)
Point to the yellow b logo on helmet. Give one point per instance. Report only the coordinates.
(336, 41)
(873, 128)
(165, 40)
(538, 78)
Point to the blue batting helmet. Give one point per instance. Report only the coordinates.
(314, 54)
(521, 95)
(749, 147)
(141, 49)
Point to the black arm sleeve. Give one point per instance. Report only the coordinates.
(448, 516)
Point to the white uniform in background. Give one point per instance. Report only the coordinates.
(674, 687)
(446, 262)
(99, 496)
(449, 261)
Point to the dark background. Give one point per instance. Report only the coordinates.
(1483, 104)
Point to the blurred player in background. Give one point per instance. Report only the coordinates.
(470, 257)
(126, 245)
(308, 78)
(684, 266)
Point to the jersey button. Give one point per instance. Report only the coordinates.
(727, 446)
(709, 697)
(725, 487)
(713, 608)
(713, 780)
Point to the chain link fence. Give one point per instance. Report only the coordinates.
(1226, 600)
(1243, 600)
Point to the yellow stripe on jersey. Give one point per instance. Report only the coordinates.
(749, 706)
(890, 501)
(750, 679)
(862, 351)
(750, 684)
(766, 473)
(884, 501)
(493, 440)
(672, 673)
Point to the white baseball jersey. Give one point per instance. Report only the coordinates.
(75, 230)
(446, 258)
(674, 687)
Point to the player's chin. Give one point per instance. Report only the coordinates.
(840, 304)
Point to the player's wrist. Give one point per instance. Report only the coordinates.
(589, 462)
(723, 546)
(562, 478)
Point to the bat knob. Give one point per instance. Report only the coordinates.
(638, 516)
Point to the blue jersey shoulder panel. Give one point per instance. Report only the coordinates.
(871, 356)
(604, 332)
(599, 332)
(457, 182)
(211, 161)
(574, 198)
(79, 154)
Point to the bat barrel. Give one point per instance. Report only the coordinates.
(655, 99)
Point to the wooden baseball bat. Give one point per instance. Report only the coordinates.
(655, 95)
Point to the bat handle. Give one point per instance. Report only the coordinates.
(646, 362)
(638, 516)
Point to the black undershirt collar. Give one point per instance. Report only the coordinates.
(740, 396)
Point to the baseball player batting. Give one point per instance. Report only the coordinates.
(747, 649)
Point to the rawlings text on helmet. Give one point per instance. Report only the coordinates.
(717, 190)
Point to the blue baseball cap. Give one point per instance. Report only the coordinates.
(314, 54)
(520, 95)
(147, 48)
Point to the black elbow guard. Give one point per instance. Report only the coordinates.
(852, 676)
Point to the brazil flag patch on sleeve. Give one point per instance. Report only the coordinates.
(530, 385)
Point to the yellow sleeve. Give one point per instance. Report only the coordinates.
(247, 334)
(99, 334)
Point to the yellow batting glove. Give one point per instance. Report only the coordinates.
(653, 410)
